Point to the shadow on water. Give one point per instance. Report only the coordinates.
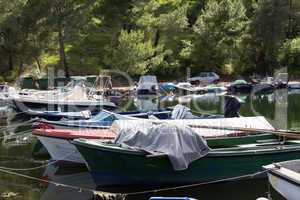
(18, 153)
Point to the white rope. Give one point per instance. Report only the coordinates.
(107, 195)
(199, 184)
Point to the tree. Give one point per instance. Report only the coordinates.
(134, 54)
(218, 33)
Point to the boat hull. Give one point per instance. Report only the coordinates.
(61, 150)
(110, 167)
(23, 106)
(284, 186)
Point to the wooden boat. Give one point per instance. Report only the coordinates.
(58, 142)
(112, 165)
(284, 177)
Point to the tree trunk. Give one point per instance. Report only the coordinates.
(10, 61)
(20, 70)
(157, 37)
(38, 64)
(62, 53)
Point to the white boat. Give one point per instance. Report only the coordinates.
(184, 88)
(284, 177)
(292, 85)
(147, 85)
(61, 150)
(75, 100)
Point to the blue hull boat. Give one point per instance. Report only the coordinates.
(102, 120)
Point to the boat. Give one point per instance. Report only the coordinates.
(293, 85)
(215, 89)
(59, 115)
(167, 87)
(281, 80)
(186, 88)
(284, 177)
(147, 85)
(102, 120)
(263, 88)
(58, 141)
(75, 100)
(240, 86)
(113, 165)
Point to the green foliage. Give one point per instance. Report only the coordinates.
(289, 55)
(218, 35)
(162, 37)
(133, 54)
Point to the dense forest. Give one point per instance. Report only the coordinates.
(159, 37)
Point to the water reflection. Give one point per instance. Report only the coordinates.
(147, 102)
(70, 176)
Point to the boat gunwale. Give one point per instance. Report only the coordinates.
(37, 134)
(275, 172)
(222, 152)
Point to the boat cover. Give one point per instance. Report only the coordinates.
(181, 112)
(181, 144)
(258, 122)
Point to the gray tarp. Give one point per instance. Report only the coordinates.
(181, 144)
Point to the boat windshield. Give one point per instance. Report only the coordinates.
(148, 79)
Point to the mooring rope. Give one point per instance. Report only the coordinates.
(109, 195)
(198, 184)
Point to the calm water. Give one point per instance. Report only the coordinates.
(280, 108)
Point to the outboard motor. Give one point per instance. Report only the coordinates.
(232, 106)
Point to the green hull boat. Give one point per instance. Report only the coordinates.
(111, 165)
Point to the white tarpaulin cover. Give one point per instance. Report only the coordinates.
(181, 144)
(237, 122)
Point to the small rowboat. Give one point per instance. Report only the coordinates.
(112, 165)
(58, 141)
(284, 177)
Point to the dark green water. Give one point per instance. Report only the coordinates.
(280, 108)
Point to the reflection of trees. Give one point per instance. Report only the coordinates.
(209, 104)
(259, 105)
(293, 108)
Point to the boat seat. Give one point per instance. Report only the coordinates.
(267, 141)
(259, 144)
(294, 141)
